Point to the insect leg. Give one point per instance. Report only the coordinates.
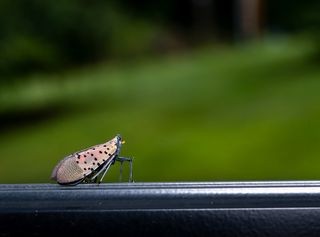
(131, 174)
(122, 159)
(104, 173)
(120, 177)
(103, 168)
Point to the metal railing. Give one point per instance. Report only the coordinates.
(289, 208)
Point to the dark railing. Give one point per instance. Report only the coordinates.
(162, 209)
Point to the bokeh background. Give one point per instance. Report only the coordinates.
(201, 90)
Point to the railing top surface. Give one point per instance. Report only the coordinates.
(137, 196)
(170, 185)
(285, 208)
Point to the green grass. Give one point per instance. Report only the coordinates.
(243, 113)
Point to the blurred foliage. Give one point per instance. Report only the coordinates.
(47, 35)
(250, 112)
(52, 35)
(193, 101)
(295, 17)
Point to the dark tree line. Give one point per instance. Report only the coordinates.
(52, 35)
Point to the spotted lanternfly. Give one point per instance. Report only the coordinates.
(86, 165)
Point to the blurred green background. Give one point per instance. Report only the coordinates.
(200, 90)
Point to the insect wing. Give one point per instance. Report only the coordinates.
(92, 158)
(74, 168)
(67, 171)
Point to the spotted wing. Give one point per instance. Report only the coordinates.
(92, 158)
(77, 166)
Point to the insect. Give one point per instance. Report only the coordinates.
(86, 165)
